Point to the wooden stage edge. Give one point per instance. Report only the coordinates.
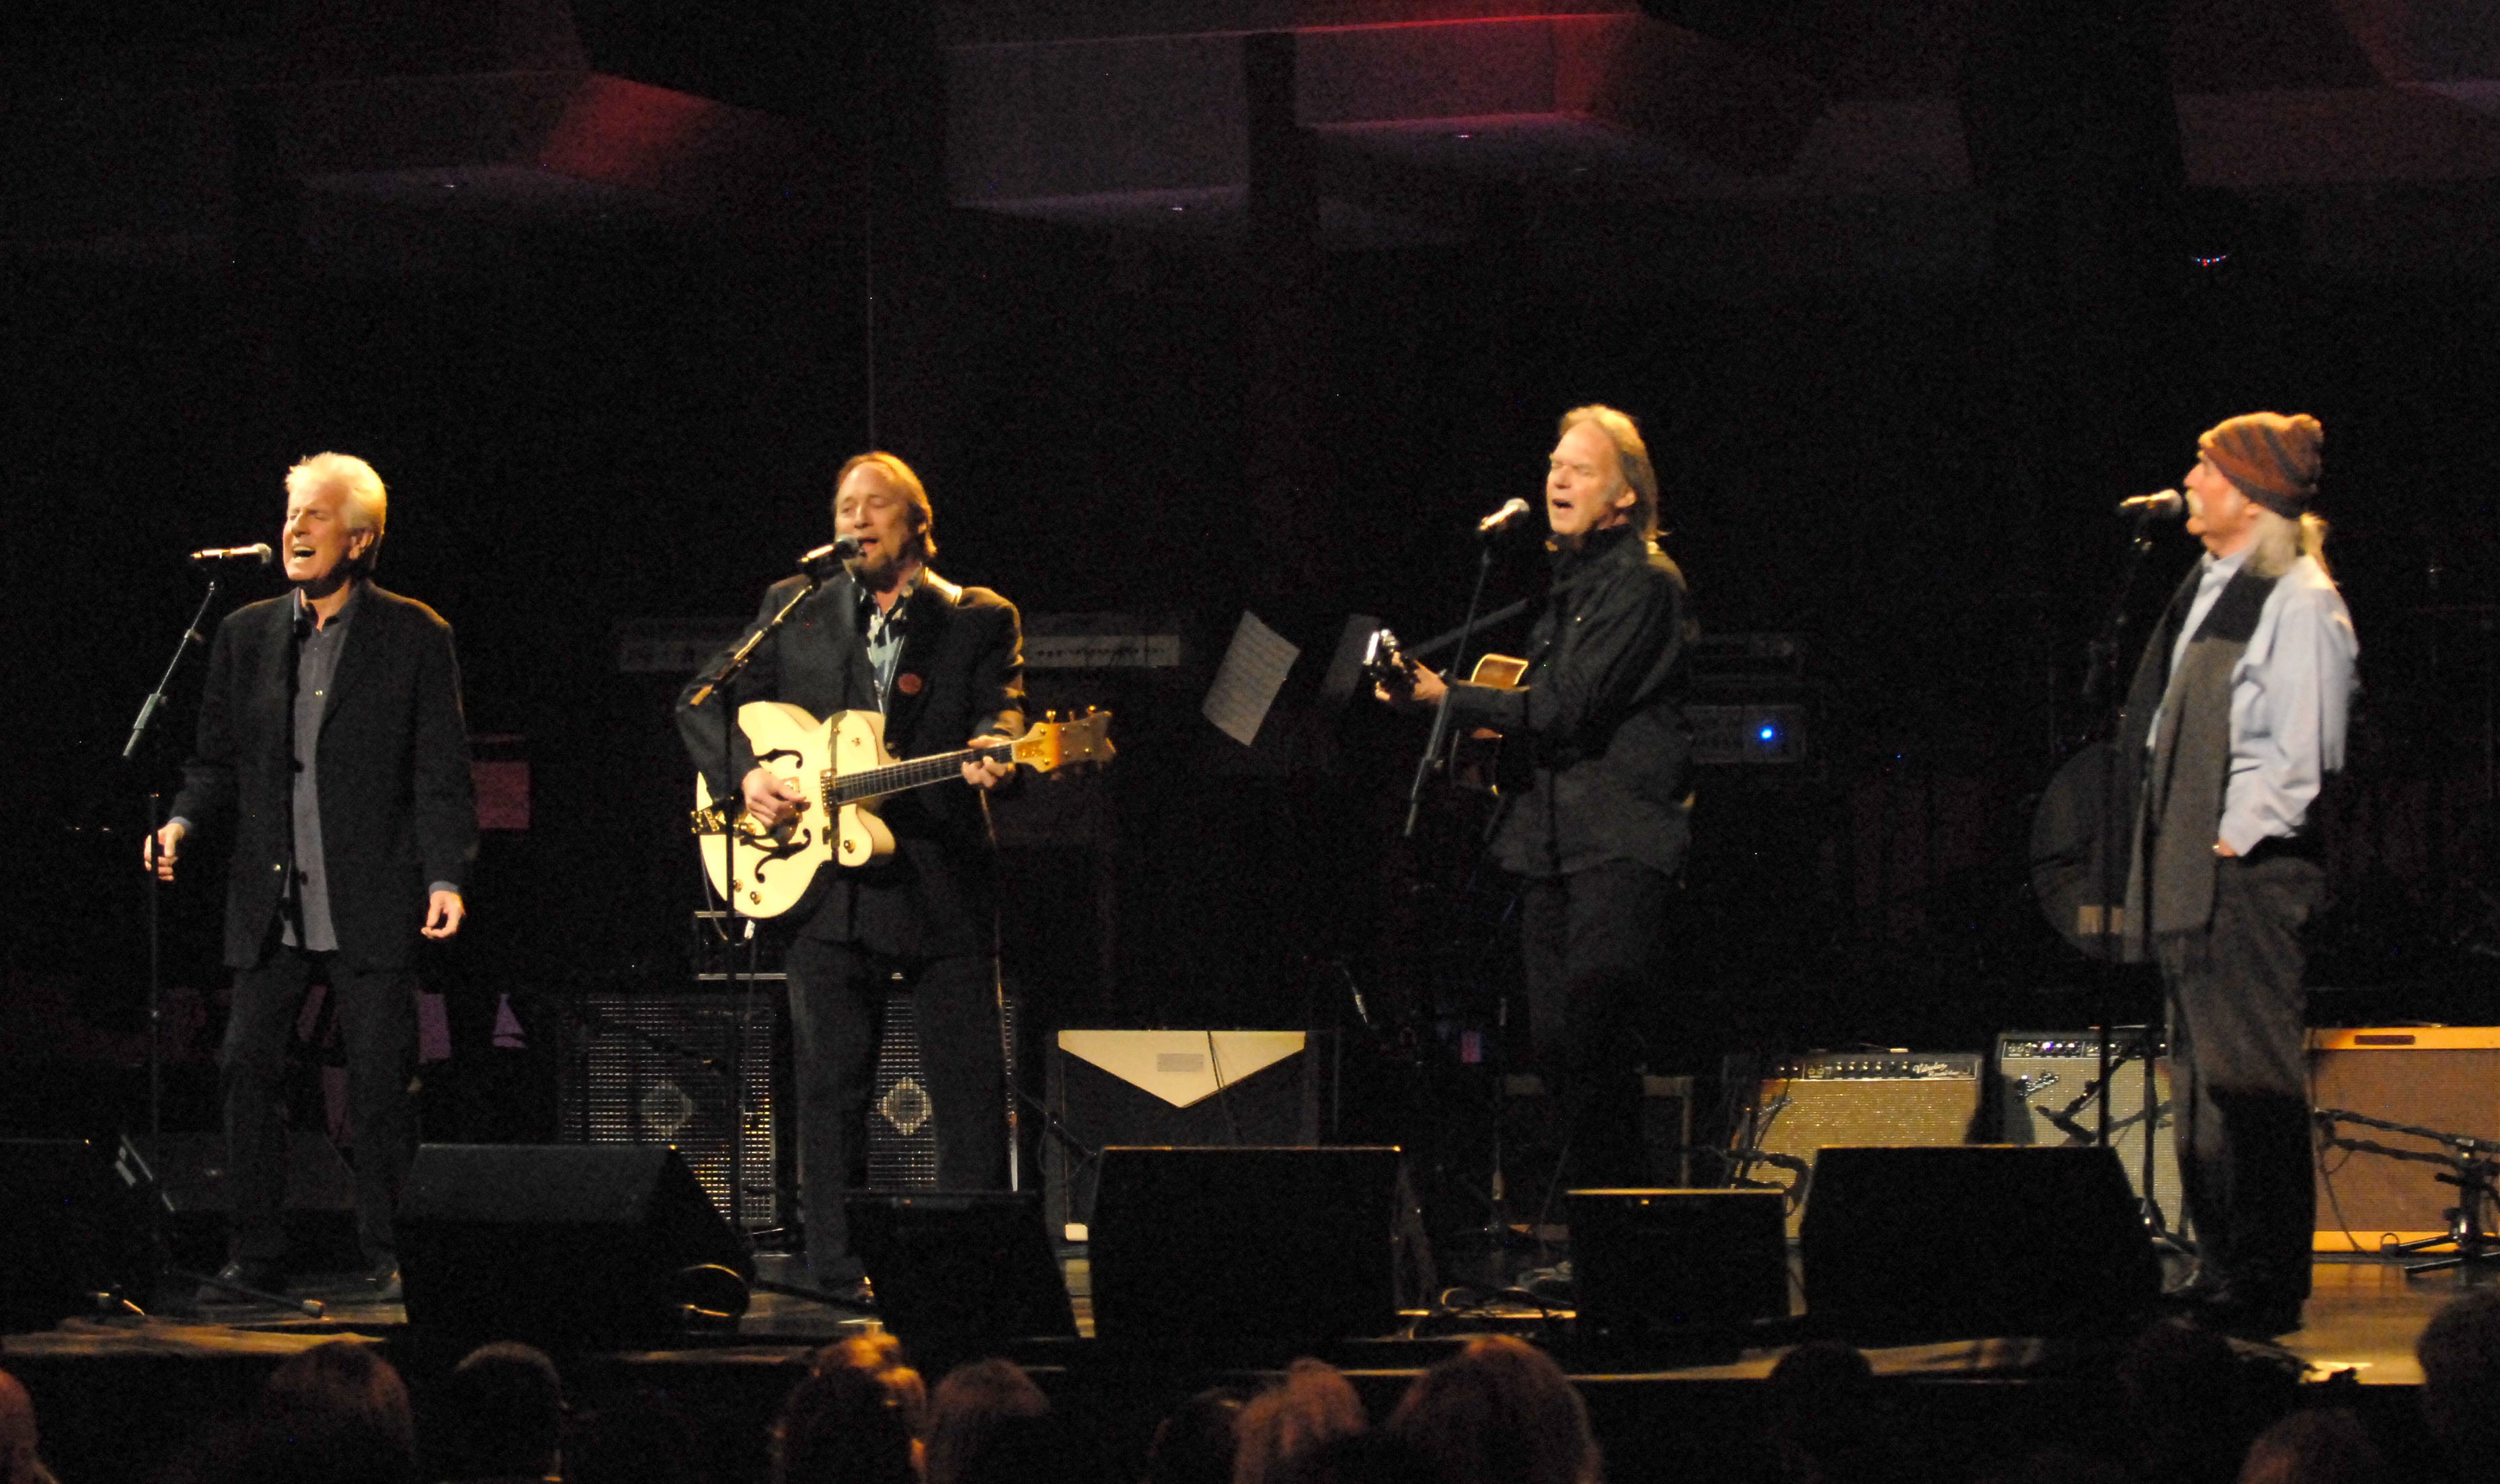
(119, 1397)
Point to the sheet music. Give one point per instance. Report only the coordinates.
(1253, 669)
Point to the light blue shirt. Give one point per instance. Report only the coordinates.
(2292, 695)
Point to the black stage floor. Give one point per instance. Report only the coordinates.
(119, 1395)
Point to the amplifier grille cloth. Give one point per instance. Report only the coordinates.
(652, 1069)
(2453, 1091)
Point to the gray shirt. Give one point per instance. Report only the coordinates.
(316, 670)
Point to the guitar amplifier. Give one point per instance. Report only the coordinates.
(902, 1140)
(2044, 1076)
(658, 1069)
(1809, 1102)
(2441, 1077)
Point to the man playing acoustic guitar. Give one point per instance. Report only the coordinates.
(943, 664)
(1597, 831)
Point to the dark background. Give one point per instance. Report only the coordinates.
(589, 420)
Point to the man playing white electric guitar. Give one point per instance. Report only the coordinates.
(944, 665)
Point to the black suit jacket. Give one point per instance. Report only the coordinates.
(961, 676)
(398, 810)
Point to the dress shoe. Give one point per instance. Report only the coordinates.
(268, 1276)
(2247, 1313)
(855, 1294)
(384, 1282)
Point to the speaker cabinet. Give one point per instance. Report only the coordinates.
(1199, 1247)
(560, 1244)
(1653, 1261)
(74, 1223)
(959, 1276)
(2044, 1097)
(901, 1136)
(188, 1172)
(1905, 1244)
(1809, 1103)
(693, 1071)
(1178, 1088)
(2441, 1077)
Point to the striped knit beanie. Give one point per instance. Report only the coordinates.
(2272, 458)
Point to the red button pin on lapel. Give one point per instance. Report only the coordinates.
(907, 683)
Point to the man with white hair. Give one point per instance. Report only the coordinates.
(331, 743)
(1597, 824)
(2235, 719)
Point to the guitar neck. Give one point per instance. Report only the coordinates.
(918, 773)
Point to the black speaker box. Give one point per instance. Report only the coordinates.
(1177, 1088)
(1653, 1261)
(560, 1244)
(188, 1172)
(1210, 1247)
(74, 1223)
(1909, 1243)
(958, 1275)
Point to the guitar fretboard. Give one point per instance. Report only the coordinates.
(894, 778)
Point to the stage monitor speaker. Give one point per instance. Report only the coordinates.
(958, 1275)
(73, 1224)
(1809, 1103)
(1905, 1244)
(1193, 1088)
(1206, 1247)
(188, 1172)
(562, 1244)
(1651, 1262)
(669, 1069)
(2441, 1077)
(2044, 1097)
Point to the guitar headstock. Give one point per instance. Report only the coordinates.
(1051, 742)
(1385, 664)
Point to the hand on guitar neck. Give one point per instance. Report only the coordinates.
(1401, 682)
(770, 799)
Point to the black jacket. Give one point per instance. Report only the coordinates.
(1601, 715)
(398, 810)
(961, 676)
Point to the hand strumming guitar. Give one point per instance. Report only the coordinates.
(770, 800)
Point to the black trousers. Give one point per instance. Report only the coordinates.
(1593, 946)
(837, 1014)
(2239, 1055)
(377, 1022)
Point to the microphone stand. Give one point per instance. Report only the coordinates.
(2115, 856)
(725, 811)
(147, 710)
(1425, 765)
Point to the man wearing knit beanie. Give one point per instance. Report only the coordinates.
(2236, 718)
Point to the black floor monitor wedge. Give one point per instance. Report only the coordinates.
(1192, 1247)
(959, 1276)
(562, 1244)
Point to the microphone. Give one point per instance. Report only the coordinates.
(1501, 519)
(259, 551)
(819, 563)
(2161, 505)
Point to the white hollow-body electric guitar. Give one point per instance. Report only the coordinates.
(842, 768)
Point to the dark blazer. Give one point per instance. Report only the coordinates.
(961, 676)
(398, 810)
